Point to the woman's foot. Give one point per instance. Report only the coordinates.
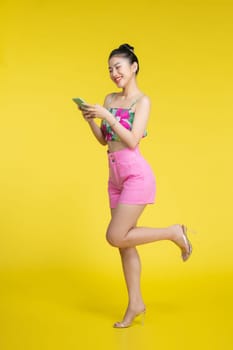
(181, 239)
(130, 315)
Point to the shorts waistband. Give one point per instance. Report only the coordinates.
(123, 154)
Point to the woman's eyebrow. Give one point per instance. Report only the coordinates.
(114, 65)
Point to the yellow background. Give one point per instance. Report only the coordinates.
(61, 284)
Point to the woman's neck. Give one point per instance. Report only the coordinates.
(130, 90)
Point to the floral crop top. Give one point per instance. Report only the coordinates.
(125, 116)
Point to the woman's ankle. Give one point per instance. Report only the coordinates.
(136, 305)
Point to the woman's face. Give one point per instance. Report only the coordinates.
(121, 71)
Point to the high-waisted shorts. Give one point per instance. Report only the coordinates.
(131, 179)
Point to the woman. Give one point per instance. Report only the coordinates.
(131, 184)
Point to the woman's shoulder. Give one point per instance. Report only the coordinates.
(143, 100)
(108, 98)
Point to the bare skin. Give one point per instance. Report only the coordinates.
(122, 231)
(131, 265)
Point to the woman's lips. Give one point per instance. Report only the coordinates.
(117, 80)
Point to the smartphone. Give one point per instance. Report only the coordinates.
(79, 101)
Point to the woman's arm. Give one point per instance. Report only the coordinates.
(129, 137)
(96, 130)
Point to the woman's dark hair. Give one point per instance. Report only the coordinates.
(127, 51)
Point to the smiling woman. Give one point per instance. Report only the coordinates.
(125, 51)
(131, 184)
(60, 283)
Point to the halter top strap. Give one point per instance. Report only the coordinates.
(132, 104)
(135, 101)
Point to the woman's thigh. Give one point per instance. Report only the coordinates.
(124, 218)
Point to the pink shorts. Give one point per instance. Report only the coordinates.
(131, 180)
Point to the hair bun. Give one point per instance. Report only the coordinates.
(127, 47)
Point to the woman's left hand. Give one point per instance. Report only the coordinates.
(96, 111)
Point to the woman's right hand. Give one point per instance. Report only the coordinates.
(86, 114)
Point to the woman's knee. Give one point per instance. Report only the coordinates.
(114, 238)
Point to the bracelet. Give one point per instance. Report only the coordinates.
(114, 123)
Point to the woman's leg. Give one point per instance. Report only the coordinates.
(121, 232)
(132, 272)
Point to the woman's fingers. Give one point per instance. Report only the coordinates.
(88, 111)
(88, 115)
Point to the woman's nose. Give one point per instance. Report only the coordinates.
(113, 73)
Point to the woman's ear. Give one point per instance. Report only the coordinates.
(135, 67)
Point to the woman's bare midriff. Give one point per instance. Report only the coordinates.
(114, 146)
